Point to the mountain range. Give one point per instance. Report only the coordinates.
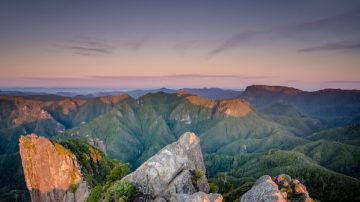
(265, 130)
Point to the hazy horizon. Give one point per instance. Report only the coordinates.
(90, 90)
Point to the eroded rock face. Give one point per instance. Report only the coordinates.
(282, 189)
(51, 171)
(171, 170)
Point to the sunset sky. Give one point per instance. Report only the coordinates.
(149, 44)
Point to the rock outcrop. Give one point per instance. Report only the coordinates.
(176, 169)
(281, 189)
(51, 171)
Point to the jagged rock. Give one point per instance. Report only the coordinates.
(52, 173)
(197, 197)
(264, 189)
(170, 171)
(282, 189)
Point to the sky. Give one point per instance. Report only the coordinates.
(309, 45)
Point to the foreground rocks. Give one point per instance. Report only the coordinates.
(282, 189)
(175, 173)
(51, 171)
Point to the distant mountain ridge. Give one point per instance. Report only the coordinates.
(210, 93)
(333, 107)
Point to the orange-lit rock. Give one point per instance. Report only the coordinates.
(51, 171)
(196, 100)
(234, 108)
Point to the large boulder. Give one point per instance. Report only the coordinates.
(52, 173)
(174, 169)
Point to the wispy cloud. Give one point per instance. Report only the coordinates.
(343, 82)
(348, 20)
(234, 42)
(141, 78)
(181, 76)
(339, 46)
(176, 80)
(87, 46)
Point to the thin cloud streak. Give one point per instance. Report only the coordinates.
(86, 46)
(343, 82)
(234, 42)
(348, 20)
(179, 80)
(145, 78)
(339, 46)
(182, 76)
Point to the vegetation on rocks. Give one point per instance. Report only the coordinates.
(120, 191)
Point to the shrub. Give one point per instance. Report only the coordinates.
(199, 175)
(118, 172)
(95, 194)
(214, 188)
(120, 191)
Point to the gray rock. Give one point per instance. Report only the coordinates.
(265, 190)
(181, 184)
(197, 197)
(169, 171)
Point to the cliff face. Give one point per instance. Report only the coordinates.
(51, 171)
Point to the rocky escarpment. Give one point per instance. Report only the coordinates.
(281, 189)
(175, 173)
(229, 108)
(51, 171)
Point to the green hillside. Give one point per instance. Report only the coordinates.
(336, 156)
(348, 135)
(240, 170)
